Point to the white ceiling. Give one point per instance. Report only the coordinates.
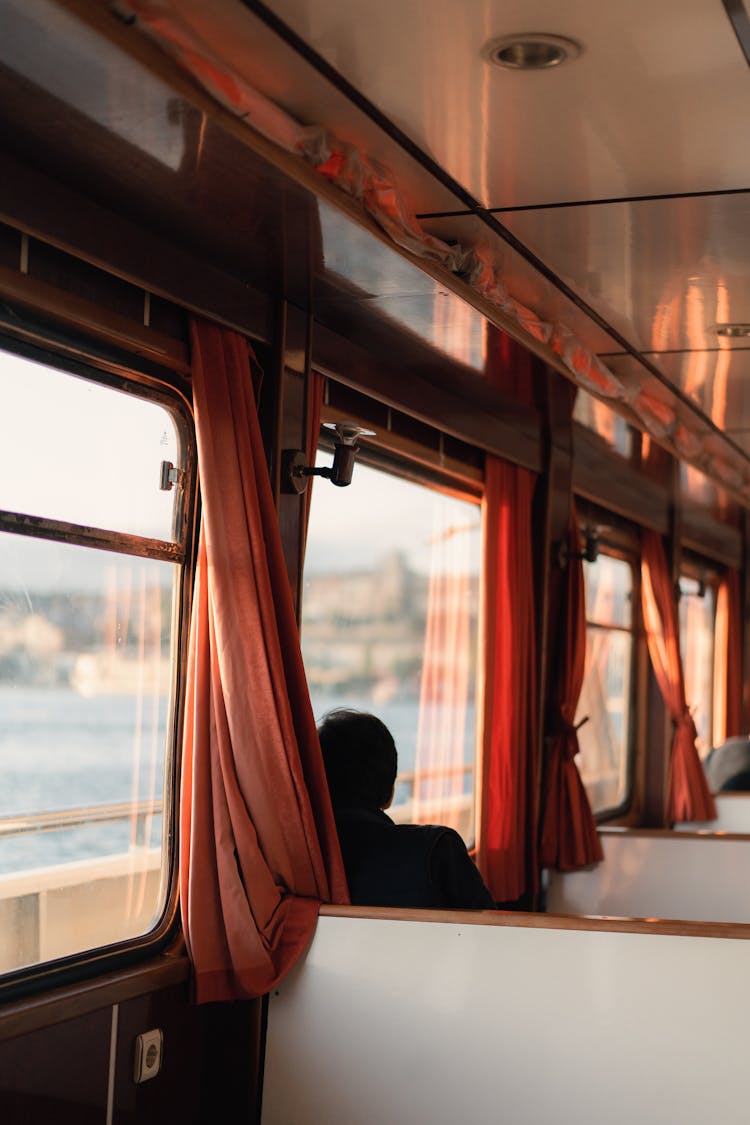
(658, 103)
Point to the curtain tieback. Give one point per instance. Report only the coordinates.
(686, 725)
(568, 735)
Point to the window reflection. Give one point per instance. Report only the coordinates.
(603, 420)
(389, 625)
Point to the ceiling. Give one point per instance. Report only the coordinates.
(613, 192)
(656, 103)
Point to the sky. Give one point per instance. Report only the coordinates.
(80, 452)
(353, 527)
(76, 451)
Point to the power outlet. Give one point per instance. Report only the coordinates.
(148, 1052)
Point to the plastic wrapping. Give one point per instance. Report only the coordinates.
(372, 184)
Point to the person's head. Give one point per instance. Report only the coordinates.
(360, 759)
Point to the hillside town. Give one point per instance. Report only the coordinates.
(364, 631)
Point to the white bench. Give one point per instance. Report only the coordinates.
(659, 874)
(404, 1022)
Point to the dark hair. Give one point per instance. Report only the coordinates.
(360, 759)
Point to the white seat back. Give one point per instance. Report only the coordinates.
(659, 875)
(434, 1023)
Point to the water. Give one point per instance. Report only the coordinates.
(60, 750)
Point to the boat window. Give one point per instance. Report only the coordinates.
(604, 737)
(697, 624)
(75, 451)
(389, 625)
(88, 641)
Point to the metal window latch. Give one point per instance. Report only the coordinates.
(170, 476)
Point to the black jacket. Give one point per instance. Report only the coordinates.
(411, 865)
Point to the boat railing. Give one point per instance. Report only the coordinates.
(19, 824)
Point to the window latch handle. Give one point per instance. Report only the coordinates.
(170, 476)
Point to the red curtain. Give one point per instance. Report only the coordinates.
(259, 849)
(729, 655)
(688, 795)
(507, 830)
(506, 840)
(569, 836)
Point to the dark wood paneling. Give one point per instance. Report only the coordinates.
(58, 306)
(52, 212)
(291, 506)
(702, 532)
(57, 1074)
(232, 1037)
(166, 318)
(552, 504)
(462, 404)
(398, 437)
(46, 263)
(10, 247)
(174, 1094)
(209, 1074)
(62, 1004)
(609, 480)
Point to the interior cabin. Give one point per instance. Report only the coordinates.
(391, 358)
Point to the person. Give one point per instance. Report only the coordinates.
(387, 864)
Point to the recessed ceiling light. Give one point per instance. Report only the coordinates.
(733, 330)
(531, 51)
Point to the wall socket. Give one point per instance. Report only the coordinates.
(148, 1053)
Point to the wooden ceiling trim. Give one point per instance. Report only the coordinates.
(74, 312)
(48, 210)
(465, 407)
(622, 488)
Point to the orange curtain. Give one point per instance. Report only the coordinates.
(688, 796)
(729, 656)
(506, 849)
(444, 689)
(259, 849)
(569, 836)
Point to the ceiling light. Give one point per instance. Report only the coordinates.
(531, 51)
(733, 331)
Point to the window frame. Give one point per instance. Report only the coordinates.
(619, 540)
(142, 379)
(390, 452)
(429, 466)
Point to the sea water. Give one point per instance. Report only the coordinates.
(60, 750)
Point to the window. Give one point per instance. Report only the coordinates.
(697, 621)
(91, 560)
(598, 416)
(389, 625)
(604, 737)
